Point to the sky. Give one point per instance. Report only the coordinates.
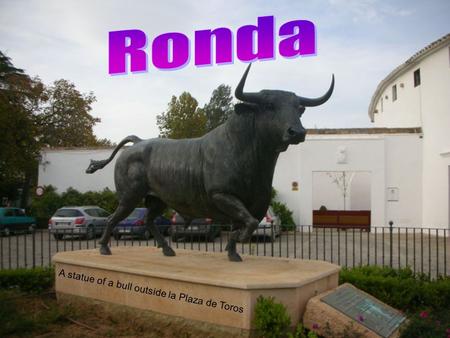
(360, 41)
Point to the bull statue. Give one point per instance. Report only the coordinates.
(225, 175)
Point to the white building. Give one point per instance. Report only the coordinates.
(64, 168)
(399, 170)
(377, 158)
(417, 94)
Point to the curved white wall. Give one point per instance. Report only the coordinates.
(436, 142)
(405, 112)
(426, 106)
(413, 104)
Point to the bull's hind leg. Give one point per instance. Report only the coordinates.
(155, 208)
(124, 208)
(131, 188)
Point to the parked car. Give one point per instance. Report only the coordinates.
(134, 225)
(86, 221)
(15, 220)
(269, 222)
(200, 228)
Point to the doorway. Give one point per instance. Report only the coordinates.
(342, 197)
(342, 190)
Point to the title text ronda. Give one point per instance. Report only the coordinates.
(171, 51)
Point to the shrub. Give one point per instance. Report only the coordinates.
(105, 199)
(285, 215)
(28, 280)
(424, 300)
(72, 197)
(282, 211)
(302, 332)
(271, 318)
(401, 288)
(428, 324)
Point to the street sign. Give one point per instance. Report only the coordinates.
(39, 191)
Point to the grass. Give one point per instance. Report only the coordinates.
(22, 314)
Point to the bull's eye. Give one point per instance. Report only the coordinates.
(301, 110)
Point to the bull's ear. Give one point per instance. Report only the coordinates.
(245, 108)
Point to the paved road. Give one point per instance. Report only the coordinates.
(422, 251)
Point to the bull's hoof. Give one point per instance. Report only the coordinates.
(105, 250)
(234, 257)
(168, 251)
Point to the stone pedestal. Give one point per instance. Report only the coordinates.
(194, 285)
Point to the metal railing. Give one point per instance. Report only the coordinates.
(424, 250)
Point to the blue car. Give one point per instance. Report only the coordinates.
(134, 225)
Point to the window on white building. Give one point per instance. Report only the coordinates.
(394, 92)
(381, 104)
(417, 77)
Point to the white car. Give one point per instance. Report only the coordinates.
(270, 226)
(86, 221)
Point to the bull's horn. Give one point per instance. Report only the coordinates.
(239, 92)
(306, 102)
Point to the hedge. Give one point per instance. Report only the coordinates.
(400, 288)
(28, 280)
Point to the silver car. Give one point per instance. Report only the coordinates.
(86, 221)
(270, 226)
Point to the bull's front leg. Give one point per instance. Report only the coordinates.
(235, 209)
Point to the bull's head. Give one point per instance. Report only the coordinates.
(278, 112)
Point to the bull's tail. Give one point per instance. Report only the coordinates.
(96, 165)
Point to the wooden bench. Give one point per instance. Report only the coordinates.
(341, 219)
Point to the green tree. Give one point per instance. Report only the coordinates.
(19, 150)
(219, 107)
(65, 120)
(182, 119)
(7, 70)
(33, 116)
